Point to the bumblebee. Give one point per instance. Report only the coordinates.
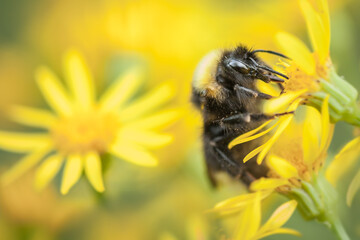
(223, 89)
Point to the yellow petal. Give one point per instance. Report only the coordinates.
(249, 220)
(279, 217)
(72, 172)
(311, 135)
(282, 167)
(157, 120)
(149, 102)
(285, 121)
(320, 38)
(145, 138)
(353, 189)
(281, 103)
(23, 142)
(267, 88)
(32, 117)
(134, 154)
(249, 133)
(278, 231)
(343, 161)
(240, 139)
(79, 79)
(24, 165)
(53, 91)
(266, 147)
(238, 203)
(253, 153)
(325, 16)
(123, 88)
(93, 171)
(297, 51)
(267, 183)
(48, 170)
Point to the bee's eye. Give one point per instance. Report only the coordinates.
(238, 66)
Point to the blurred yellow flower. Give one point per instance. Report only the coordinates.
(81, 129)
(249, 220)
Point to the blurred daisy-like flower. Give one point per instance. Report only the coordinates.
(82, 128)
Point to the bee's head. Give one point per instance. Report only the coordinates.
(217, 74)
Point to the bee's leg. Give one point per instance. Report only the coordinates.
(250, 117)
(269, 78)
(242, 93)
(224, 159)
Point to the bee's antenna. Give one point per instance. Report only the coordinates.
(271, 52)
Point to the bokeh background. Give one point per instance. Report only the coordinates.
(167, 39)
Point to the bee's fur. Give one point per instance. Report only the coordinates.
(224, 90)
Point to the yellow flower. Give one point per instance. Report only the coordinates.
(312, 72)
(299, 153)
(295, 162)
(249, 220)
(81, 129)
(308, 67)
(279, 124)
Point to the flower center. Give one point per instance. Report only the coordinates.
(85, 131)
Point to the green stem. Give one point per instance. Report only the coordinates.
(318, 200)
(338, 228)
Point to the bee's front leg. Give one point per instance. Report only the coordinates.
(242, 93)
(241, 118)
